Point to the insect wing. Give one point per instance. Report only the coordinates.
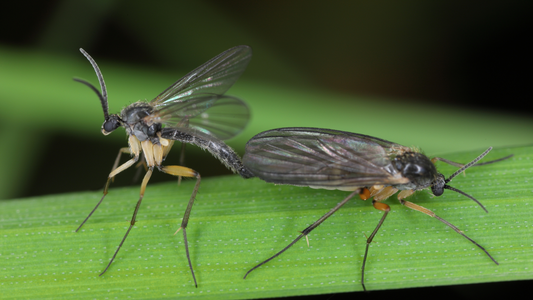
(213, 77)
(227, 116)
(185, 103)
(322, 158)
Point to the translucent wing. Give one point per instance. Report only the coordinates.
(186, 102)
(226, 117)
(213, 77)
(322, 158)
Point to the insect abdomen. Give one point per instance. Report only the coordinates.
(220, 150)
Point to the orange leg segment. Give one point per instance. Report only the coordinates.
(364, 194)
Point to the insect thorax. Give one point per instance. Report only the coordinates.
(133, 118)
(416, 167)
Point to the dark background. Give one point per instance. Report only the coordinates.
(460, 54)
(463, 54)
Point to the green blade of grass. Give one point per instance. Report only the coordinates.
(237, 223)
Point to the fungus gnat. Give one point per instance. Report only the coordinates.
(192, 110)
(364, 165)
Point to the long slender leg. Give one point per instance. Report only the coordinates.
(432, 214)
(182, 159)
(460, 165)
(183, 123)
(386, 209)
(140, 164)
(186, 172)
(124, 150)
(306, 231)
(134, 217)
(113, 173)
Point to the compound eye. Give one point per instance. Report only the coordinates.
(437, 191)
(110, 125)
(438, 186)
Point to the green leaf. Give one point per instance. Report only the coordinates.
(237, 223)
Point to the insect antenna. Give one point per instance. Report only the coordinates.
(103, 94)
(493, 161)
(468, 165)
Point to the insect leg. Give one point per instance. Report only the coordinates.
(140, 164)
(134, 217)
(125, 150)
(182, 123)
(379, 195)
(460, 165)
(432, 214)
(113, 173)
(364, 194)
(186, 172)
(182, 159)
(306, 231)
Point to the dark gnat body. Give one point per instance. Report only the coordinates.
(132, 118)
(417, 168)
(365, 165)
(193, 110)
(221, 151)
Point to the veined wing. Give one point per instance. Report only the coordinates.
(213, 77)
(322, 158)
(226, 117)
